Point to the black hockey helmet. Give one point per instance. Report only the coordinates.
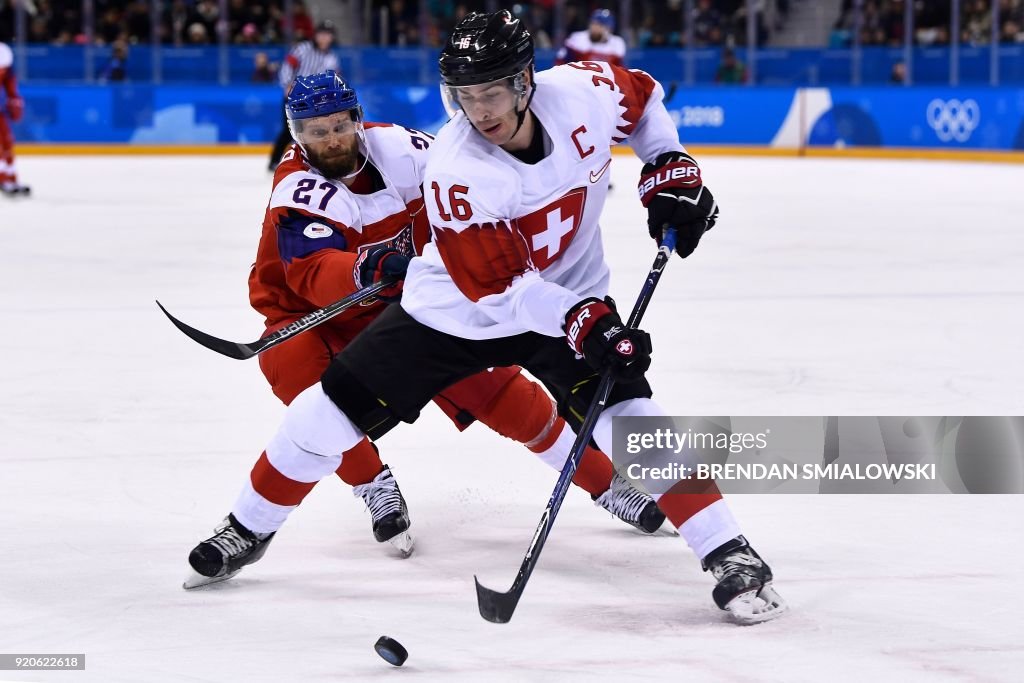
(486, 47)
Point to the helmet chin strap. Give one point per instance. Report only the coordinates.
(521, 115)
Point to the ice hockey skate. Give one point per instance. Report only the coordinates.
(744, 588)
(223, 555)
(388, 511)
(631, 505)
(15, 190)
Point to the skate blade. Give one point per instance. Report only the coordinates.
(197, 580)
(403, 543)
(755, 607)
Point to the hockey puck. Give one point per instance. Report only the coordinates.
(391, 651)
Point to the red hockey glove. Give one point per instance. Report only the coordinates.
(595, 331)
(378, 263)
(15, 108)
(674, 194)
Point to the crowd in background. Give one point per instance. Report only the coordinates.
(883, 22)
(392, 22)
(652, 23)
(178, 22)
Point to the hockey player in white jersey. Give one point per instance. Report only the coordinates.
(597, 44)
(514, 188)
(347, 209)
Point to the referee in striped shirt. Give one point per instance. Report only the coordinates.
(307, 58)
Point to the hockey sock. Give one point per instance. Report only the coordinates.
(688, 497)
(523, 412)
(268, 497)
(595, 471)
(267, 481)
(361, 464)
(697, 509)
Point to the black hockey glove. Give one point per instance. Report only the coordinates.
(378, 263)
(672, 190)
(595, 331)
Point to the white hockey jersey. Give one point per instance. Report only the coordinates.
(579, 47)
(515, 245)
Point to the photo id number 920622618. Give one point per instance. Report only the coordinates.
(41, 662)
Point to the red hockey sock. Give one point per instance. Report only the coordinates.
(276, 487)
(359, 465)
(688, 497)
(523, 412)
(594, 475)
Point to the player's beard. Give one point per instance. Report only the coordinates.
(336, 164)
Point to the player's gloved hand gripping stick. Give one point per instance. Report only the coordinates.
(498, 607)
(240, 351)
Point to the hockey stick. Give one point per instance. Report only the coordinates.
(498, 607)
(240, 351)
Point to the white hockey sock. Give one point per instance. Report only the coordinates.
(307, 447)
(257, 514)
(556, 454)
(709, 528)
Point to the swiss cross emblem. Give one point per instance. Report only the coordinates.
(550, 229)
(624, 347)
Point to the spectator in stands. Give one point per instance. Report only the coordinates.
(891, 24)
(731, 70)
(302, 23)
(976, 23)
(249, 35)
(264, 71)
(110, 27)
(197, 34)
(898, 75)
(708, 26)
(660, 24)
(396, 22)
(1012, 32)
(116, 69)
(932, 22)
(137, 22)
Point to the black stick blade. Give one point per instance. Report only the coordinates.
(222, 346)
(496, 607)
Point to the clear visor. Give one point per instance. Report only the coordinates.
(323, 130)
(484, 101)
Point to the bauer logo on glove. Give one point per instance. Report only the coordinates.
(674, 193)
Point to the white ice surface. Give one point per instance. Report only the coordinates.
(829, 288)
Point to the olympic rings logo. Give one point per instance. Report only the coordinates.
(953, 119)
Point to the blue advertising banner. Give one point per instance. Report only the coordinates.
(729, 115)
(921, 117)
(806, 66)
(977, 118)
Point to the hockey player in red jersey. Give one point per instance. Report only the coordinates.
(12, 108)
(597, 44)
(346, 209)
